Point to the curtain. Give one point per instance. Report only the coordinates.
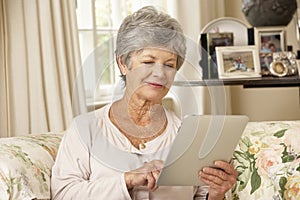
(40, 81)
(210, 10)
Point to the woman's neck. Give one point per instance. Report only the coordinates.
(141, 122)
(141, 111)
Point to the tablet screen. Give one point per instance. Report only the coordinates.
(201, 140)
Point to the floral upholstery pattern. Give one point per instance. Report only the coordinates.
(268, 161)
(25, 166)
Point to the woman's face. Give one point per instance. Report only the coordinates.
(151, 73)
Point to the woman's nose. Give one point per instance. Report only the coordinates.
(158, 70)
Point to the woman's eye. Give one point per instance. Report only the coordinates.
(148, 62)
(169, 65)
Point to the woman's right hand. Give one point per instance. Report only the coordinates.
(145, 175)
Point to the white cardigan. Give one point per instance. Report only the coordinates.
(94, 155)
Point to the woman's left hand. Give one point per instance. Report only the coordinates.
(220, 178)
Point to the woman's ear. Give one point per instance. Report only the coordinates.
(122, 67)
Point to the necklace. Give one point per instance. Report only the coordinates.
(137, 142)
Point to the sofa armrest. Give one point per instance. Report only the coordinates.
(25, 166)
(267, 159)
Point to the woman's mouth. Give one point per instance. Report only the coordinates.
(156, 85)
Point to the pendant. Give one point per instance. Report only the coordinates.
(142, 146)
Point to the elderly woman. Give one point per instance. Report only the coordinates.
(116, 152)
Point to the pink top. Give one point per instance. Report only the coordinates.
(94, 155)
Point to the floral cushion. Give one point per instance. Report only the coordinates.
(25, 166)
(268, 161)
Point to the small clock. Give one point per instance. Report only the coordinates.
(278, 68)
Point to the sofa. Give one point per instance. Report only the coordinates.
(25, 166)
(267, 159)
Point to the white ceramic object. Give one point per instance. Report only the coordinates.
(229, 24)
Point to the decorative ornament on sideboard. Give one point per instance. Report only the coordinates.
(269, 12)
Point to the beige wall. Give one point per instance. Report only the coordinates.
(233, 8)
(264, 103)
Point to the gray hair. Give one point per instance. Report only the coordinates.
(148, 27)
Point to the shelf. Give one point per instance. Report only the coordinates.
(291, 81)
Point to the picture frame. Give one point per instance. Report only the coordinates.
(266, 36)
(268, 41)
(238, 62)
(219, 39)
(209, 41)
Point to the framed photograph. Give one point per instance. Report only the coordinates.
(265, 60)
(218, 39)
(270, 39)
(238, 62)
(209, 42)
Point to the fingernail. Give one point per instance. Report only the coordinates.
(217, 163)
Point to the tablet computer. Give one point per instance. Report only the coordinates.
(201, 140)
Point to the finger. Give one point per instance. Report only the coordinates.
(155, 175)
(151, 182)
(215, 184)
(211, 178)
(155, 188)
(220, 189)
(217, 178)
(227, 167)
(215, 172)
